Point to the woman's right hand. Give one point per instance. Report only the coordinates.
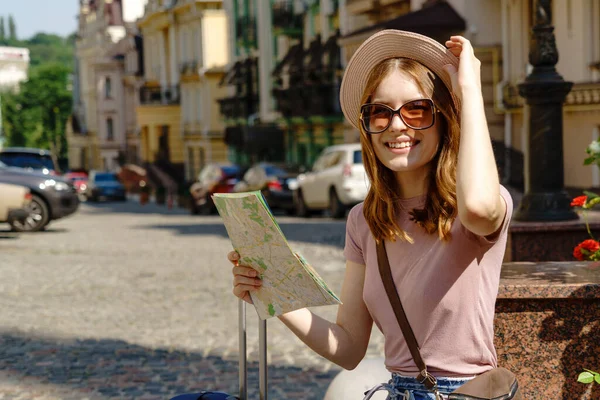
(245, 279)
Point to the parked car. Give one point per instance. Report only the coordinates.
(33, 160)
(14, 203)
(51, 197)
(78, 179)
(213, 178)
(104, 185)
(275, 181)
(337, 181)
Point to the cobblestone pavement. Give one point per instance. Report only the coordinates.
(123, 301)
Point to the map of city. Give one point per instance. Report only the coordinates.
(289, 282)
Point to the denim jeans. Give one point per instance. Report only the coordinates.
(408, 388)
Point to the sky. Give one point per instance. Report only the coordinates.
(33, 16)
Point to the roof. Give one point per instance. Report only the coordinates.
(29, 150)
(437, 21)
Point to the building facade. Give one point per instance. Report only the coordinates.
(500, 33)
(185, 51)
(284, 80)
(97, 132)
(14, 64)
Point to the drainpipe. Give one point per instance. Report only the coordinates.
(508, 118)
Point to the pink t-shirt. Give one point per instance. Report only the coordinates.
(448, 291)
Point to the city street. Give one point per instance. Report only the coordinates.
(129, 301)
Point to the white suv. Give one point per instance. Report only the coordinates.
(337, 182)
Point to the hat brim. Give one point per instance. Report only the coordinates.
(390, 43)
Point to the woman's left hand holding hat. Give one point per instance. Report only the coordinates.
(468, 76)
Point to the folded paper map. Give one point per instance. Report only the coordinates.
(288, 281)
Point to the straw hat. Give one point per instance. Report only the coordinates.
(390, 43)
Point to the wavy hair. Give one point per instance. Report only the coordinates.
(380, 206)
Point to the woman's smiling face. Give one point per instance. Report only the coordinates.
(401, 148)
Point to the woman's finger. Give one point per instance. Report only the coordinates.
(243, 292)
(244, 280)
(245, 271)
(233, 256)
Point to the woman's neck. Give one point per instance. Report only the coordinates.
(412, 183)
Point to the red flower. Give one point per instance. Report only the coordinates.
(585, 248)
(579, 201)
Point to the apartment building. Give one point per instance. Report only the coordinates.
(185, 51)
(97, 132)
(500, 33)
(284, 80)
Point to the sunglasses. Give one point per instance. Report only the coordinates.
(416, 114)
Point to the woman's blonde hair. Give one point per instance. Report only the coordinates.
(380, 206)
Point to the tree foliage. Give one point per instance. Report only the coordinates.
(12, 28)
(36, 115)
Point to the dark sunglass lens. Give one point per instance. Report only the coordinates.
(376, 118)
(418, 114)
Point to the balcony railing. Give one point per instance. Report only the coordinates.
(582, 95)
(285, 19)
(159, 96)
(308, 100)
(238, 107)
(188, 67)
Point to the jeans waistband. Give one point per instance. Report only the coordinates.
(445, 384)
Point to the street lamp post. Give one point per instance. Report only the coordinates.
(545, 91)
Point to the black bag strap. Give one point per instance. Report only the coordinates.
(388, 282)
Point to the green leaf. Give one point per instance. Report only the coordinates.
(597, 378)
(588, 161)
(590, 195)
(585, 377)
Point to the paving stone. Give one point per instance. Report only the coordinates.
(127, 301)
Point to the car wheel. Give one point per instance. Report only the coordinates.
(301, 208)
(38, 218)
(336, 208)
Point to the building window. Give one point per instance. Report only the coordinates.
(110, 134)
(107, 88)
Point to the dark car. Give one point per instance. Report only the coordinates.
(275, 181)
(104, 185)
(33, 160)
(213, 178)
(51, 197)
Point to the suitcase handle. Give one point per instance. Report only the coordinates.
(262, 356)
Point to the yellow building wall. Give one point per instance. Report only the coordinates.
(219, 150)
(581, 128)
(152, 118)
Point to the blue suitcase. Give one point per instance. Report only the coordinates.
(243, 377)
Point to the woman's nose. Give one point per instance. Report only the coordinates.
(397, 124)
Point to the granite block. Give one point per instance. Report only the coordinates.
(547, 327)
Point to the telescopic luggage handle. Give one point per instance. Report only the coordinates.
(262, 355)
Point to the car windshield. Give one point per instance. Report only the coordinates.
(279, 170)
(358, 157)
(26, 160)
(106, 178)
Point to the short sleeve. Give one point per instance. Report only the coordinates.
(353, 247)
(502, 231)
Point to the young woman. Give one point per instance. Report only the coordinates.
(436, 203)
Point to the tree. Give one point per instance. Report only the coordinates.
(2, 31)
(12, 28)
(38, 114)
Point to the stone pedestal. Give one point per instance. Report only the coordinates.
(549, 241)
(547, 327)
